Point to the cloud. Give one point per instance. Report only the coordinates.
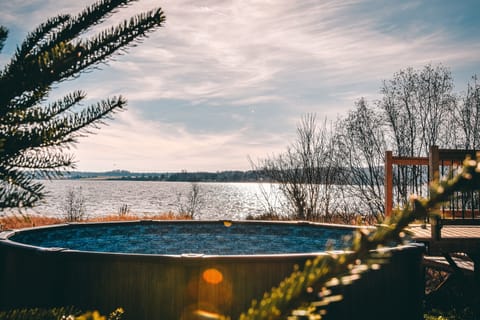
(239, 51)
(225, 79)
(131, 142)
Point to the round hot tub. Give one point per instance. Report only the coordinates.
(157, 269)
(221, 238)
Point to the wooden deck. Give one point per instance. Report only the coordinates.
(454, 239)
(454, 236)
(441, 263)
(448, 232)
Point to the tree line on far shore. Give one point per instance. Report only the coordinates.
(219, 176)
(199, 176)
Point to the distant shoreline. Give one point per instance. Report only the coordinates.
(184, 176)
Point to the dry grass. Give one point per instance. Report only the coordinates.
(163, 216)
(19, 221)
(357, 220)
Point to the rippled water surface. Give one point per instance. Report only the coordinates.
(218, 200)
(174, 238)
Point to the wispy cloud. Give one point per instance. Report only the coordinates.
(227, 79)
(152, 144)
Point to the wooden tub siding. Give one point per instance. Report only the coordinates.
(160, 287)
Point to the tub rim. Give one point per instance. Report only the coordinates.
(7, 234)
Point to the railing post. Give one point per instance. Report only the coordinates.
(434, 175)
(436, 228)
(388, 183)
(433, 163)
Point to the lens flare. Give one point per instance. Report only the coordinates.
(207, 315)
(212, 276)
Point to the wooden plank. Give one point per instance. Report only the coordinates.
(433, 165)
(388, 183)
(460, 222)
(439, 262)
(410, 161)
(422, 233)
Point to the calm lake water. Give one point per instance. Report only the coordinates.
(218, 200)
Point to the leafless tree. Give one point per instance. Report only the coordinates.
(124, 210)
(467, 115)
(189, 204)
(305, 172)
(361, 148)
(74, 207)
(418, 106)
(325, 172)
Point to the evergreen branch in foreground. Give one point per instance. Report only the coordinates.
(294, 290)
(33, 132)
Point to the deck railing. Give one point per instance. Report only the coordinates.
(393, 189)
(463, 206)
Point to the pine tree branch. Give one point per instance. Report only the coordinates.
(18, 189)
(292, 292)
(71, 126)
(60, 131)
(25, 101)
(32, 45)
(63, 57)
(35, 115)
(45, 37)
(3, 37)
(88, 18)
(34, 135)
(100, 48)
(42, 160)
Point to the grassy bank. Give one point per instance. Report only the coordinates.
(19, 221)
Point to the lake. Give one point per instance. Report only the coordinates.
(105, 197)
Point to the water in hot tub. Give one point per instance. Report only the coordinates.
(174, 238)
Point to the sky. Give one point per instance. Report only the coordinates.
(227, 81)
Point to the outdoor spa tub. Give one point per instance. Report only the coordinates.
(160, 269)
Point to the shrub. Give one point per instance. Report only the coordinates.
(69, 313)
(37, 314)
(123, 210)
(74, 208)
(189, 204)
